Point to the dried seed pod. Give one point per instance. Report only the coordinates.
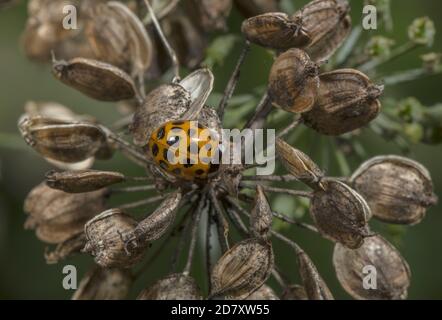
(275, 30)
(391, 272)
(119, 38)
(210, 15)
(251, 8)
(175, 286)
(328, 24)
(315, 287)
(340, 213)
(96, 79)
(106, 236)
(299, 164)
(263, 293)
(161, 8)
(242, 269)
(293, 81)
(66, 249)
(51, 110)
(261, 215)
(104, 284)
(397, 189)
(83, 180)
(158, 222)
(58, 216)
(294, 292)
(347, 100)
(64, 141)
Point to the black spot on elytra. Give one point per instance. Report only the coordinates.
(155, 149)
(199, 172)
(178, 123)
(173, 140)
(165, 153)
(161, 133)
(188, 164)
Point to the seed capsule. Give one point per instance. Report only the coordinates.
(242, 269)
(391, 274)
(158, 222)
(315, 287)
(173, 287)
(104, 284)
(293, 81)
(397, 189)
(299, 164)
(65, 249)
(64, 141)
(95, 79)
(346, 101)
(276, 31)
(261, 215)
(83, 180)
(340, 214)
(118, 37)
(106, 236)
(57, 216)
(328, 24)
(263, 293)
(294, 292)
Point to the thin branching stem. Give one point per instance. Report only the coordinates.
(133, 189)
(289, 128)
(141, 203)
(408, 75)
(220, 220)
(233, 81)
(298, 193)
(283, 178)
(300, 224)
(208, 247)
(263, 109)
(169, 49)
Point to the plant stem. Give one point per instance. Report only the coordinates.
(220, 220)
(408, 75)
(346, 50)
(133, 189)
(141, 203)
(298, 193)
(263, 108)
(289, 128)
(284, 178)
(233, 81)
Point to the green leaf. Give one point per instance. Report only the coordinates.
(219, 49)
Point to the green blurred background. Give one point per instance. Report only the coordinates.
(23, 271)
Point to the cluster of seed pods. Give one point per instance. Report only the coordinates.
(70, 209)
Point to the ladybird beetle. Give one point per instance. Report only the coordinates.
(185, 149)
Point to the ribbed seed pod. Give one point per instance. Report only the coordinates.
(175, 286)
(242, 269)
(158, 222)
(106, 236)
(328, 24)
(57, 216)
(347, 100)
(397, 189)
(294, 292)
(261, 215)
(263, 293)
(340, 213)
(65, 249)
(388, 277)
(82, 180)
(118, 37)
(275, 30)
(315, 287)
(293, 81)
(104, 284)
(65, 141)
(299, 164)
(96, 79)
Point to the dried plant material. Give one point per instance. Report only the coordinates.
(263, 293)
(275, 30)
(391, 274)
(104, 284)
(82, 180)
(165, 103)
(327, 22)
(63, 141)
(299, 164)
(347, 100)
(314, 285)
(340, 214)
(96, 79)
(157, 223)
(251, 8)
(294, 292)
(242, 269)
(161, 8)
(66, 249)
(57, 216)
(118, 37)
(175, 286)
(261, 215)
(51, 110)
(106, 234)
(397, 189)
(212, 15)
(293, 81)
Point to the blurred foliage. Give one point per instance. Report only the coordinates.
(411, 121)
